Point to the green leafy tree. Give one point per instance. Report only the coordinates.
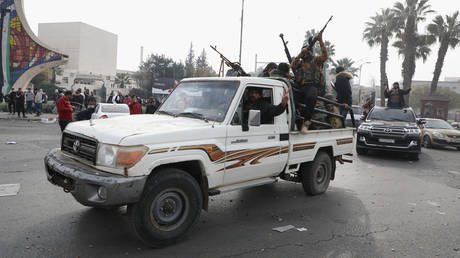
(202, 68)
(447, 33)
(411, 44)
(379, 31)
(190, 62)
(347, 64)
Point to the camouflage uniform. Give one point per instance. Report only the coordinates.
(309, 78)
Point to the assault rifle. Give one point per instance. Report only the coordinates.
(286, 50)
(312, 41)
(234, 65)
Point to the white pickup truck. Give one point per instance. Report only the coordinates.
(165, 166)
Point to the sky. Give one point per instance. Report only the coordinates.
(169, 27)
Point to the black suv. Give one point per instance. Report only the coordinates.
(390, 129)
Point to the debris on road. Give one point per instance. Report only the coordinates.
(284, 228)
(440, 213)
(10, 143)
(49, 120)
(412, 204)
(301, 229)
(9, 189)
(434, 203)
(454, 172)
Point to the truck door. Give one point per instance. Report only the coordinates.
(253, 152)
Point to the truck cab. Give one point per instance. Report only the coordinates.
(200, 142)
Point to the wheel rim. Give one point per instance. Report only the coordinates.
(168, 209)
(320, 174)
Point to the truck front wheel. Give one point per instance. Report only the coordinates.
(170, 206)
(316, 175)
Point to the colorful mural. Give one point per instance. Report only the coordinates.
(19, 51)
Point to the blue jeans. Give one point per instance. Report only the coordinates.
(344, 112)
(29, 107)
(38, 108)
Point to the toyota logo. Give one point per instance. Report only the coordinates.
(387, 130)
(76, 146)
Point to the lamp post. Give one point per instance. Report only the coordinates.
(359, 82)
(241, 32)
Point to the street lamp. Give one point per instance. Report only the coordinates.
(241, 32)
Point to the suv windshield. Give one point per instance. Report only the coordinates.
(391, 114)
(208, 100)
(438, 124)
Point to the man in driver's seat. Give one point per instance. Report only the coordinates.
(267, 110)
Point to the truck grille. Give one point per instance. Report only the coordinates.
(388, 132)
(80, 146)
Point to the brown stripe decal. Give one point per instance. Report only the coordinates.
(158, 151)
(344, 141)
(304, 146)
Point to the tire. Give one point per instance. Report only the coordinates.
(316, 175)
(171, 189)
(458, 148)
(413, 156)
(361, 151)
(427, 141)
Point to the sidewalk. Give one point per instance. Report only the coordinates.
(46, 118)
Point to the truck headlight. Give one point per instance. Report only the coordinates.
(438, 135)
(119, 157)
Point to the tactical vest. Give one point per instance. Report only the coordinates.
(309, 76)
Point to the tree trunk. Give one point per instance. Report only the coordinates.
(409, 39)
(439, 63)
(383, 72)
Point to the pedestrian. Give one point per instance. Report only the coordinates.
(110, 98)
(151, 106)
(88, 112)
(268, 69)
(367, 107)
(11, 99)
(78, 100)
(44, 98)
(396, 96)
(127, 99)
(29, 100)
(64, 110)
(20, 103)
(309, 77)
(134, 106)
(56, 95)
(1, 97)
(343, 89)
(38, 102)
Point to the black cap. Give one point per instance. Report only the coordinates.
(283, 68)
(339, 69)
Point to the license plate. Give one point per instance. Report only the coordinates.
(386, 140)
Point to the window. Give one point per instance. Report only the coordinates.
(254, 98)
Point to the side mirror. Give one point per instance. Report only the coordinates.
(254, 117)
(421, 121)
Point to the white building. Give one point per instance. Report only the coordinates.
(92, 54)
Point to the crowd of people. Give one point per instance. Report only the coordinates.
(21, 102)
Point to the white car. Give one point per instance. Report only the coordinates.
(106, 110)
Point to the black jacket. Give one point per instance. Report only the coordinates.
(85, 114)
(401, 93)
(267, 111)
(20, 99)
(343, 88)
(150, 109)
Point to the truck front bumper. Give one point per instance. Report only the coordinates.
(90, 186)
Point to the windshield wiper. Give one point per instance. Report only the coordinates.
(165, 112)
(194, 115)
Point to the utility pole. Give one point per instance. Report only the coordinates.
(241, 32)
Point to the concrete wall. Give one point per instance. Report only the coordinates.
(91, 50)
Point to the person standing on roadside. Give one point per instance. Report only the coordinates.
(11, 102)
(20, 103)
(64, 110)
(29, 100)
(134, 106)
(38, 102)
(151, 106)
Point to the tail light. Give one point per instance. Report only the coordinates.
(103, 117)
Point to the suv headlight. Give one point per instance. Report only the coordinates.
(438, 135)
(364, 128)
(119, 157)
(414, 131)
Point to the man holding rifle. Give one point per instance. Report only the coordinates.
(308, 70)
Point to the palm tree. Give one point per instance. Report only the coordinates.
(347, 64)
(379, 31)
(408, 15)
(122, 79)
(448, 34)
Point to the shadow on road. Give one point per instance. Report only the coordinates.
(238, 223)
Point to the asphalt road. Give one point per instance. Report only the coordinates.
(380, 206)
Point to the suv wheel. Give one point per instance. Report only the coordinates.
(426, 141)
(169, 207)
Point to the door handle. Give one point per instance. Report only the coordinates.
(271, 137)
(239, 141)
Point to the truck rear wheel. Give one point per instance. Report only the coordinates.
(169, 207)
(316, 175)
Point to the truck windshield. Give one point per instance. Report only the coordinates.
(208, 100)
(392, 114)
